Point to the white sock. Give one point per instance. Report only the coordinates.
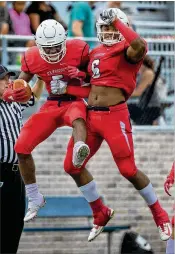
(78, 143)
(148, 194)
(170, 246)
(33, 193)
(89, 191)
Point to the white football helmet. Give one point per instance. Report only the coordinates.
(51, 40)
(113, 37)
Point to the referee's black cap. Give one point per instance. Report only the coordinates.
(4, 71)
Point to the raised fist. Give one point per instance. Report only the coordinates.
(108, 16)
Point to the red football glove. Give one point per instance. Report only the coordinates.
(168, 184)
(74, 72)
(16, 95)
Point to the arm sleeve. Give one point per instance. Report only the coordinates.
(78, 12)
(78, 91)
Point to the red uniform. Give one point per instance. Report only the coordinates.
(108, 66)
(53, 114)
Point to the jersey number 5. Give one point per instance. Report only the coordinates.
(95, 68)
(56, 78)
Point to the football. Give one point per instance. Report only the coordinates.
(20, 83)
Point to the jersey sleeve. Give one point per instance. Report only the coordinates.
(24, 65)
(78, 12)
(85, 58)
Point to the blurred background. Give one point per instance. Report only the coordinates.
(153, 125)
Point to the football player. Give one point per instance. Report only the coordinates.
(55, 60)
(113, 68)
(167, 186)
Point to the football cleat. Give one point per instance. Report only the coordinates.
(165, 231)
(33, 209)
(100, 220)
(163, 224)
(80, 153)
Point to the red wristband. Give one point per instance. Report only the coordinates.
(129, 34)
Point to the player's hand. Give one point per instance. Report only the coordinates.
(74, 72)
(16, 95)
(58, 87)
(108, 16)
(168, 184)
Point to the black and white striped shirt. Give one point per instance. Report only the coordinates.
(10, 125)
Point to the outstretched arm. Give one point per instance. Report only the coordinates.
(38, 87)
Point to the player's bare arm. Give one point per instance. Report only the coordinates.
(136, 51)
(38, 88)
(27, 76)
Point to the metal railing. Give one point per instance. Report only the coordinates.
(156, 48)
(159, 29)
(146, 4)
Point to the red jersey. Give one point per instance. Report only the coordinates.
(108, 67)
(77, 54)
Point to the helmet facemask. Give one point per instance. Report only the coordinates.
(51, 41)
(53, 53)
(108, 35)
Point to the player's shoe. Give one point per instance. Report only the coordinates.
(80, 152)
(164, 226)
(100, 220)
(33, 209)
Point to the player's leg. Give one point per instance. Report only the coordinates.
(39, 127)
(86, 184)
(120, 142)
(76, 117)
(170, 243)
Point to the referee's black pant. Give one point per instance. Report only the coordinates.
(12, 207)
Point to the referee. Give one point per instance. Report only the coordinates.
(12, 191)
